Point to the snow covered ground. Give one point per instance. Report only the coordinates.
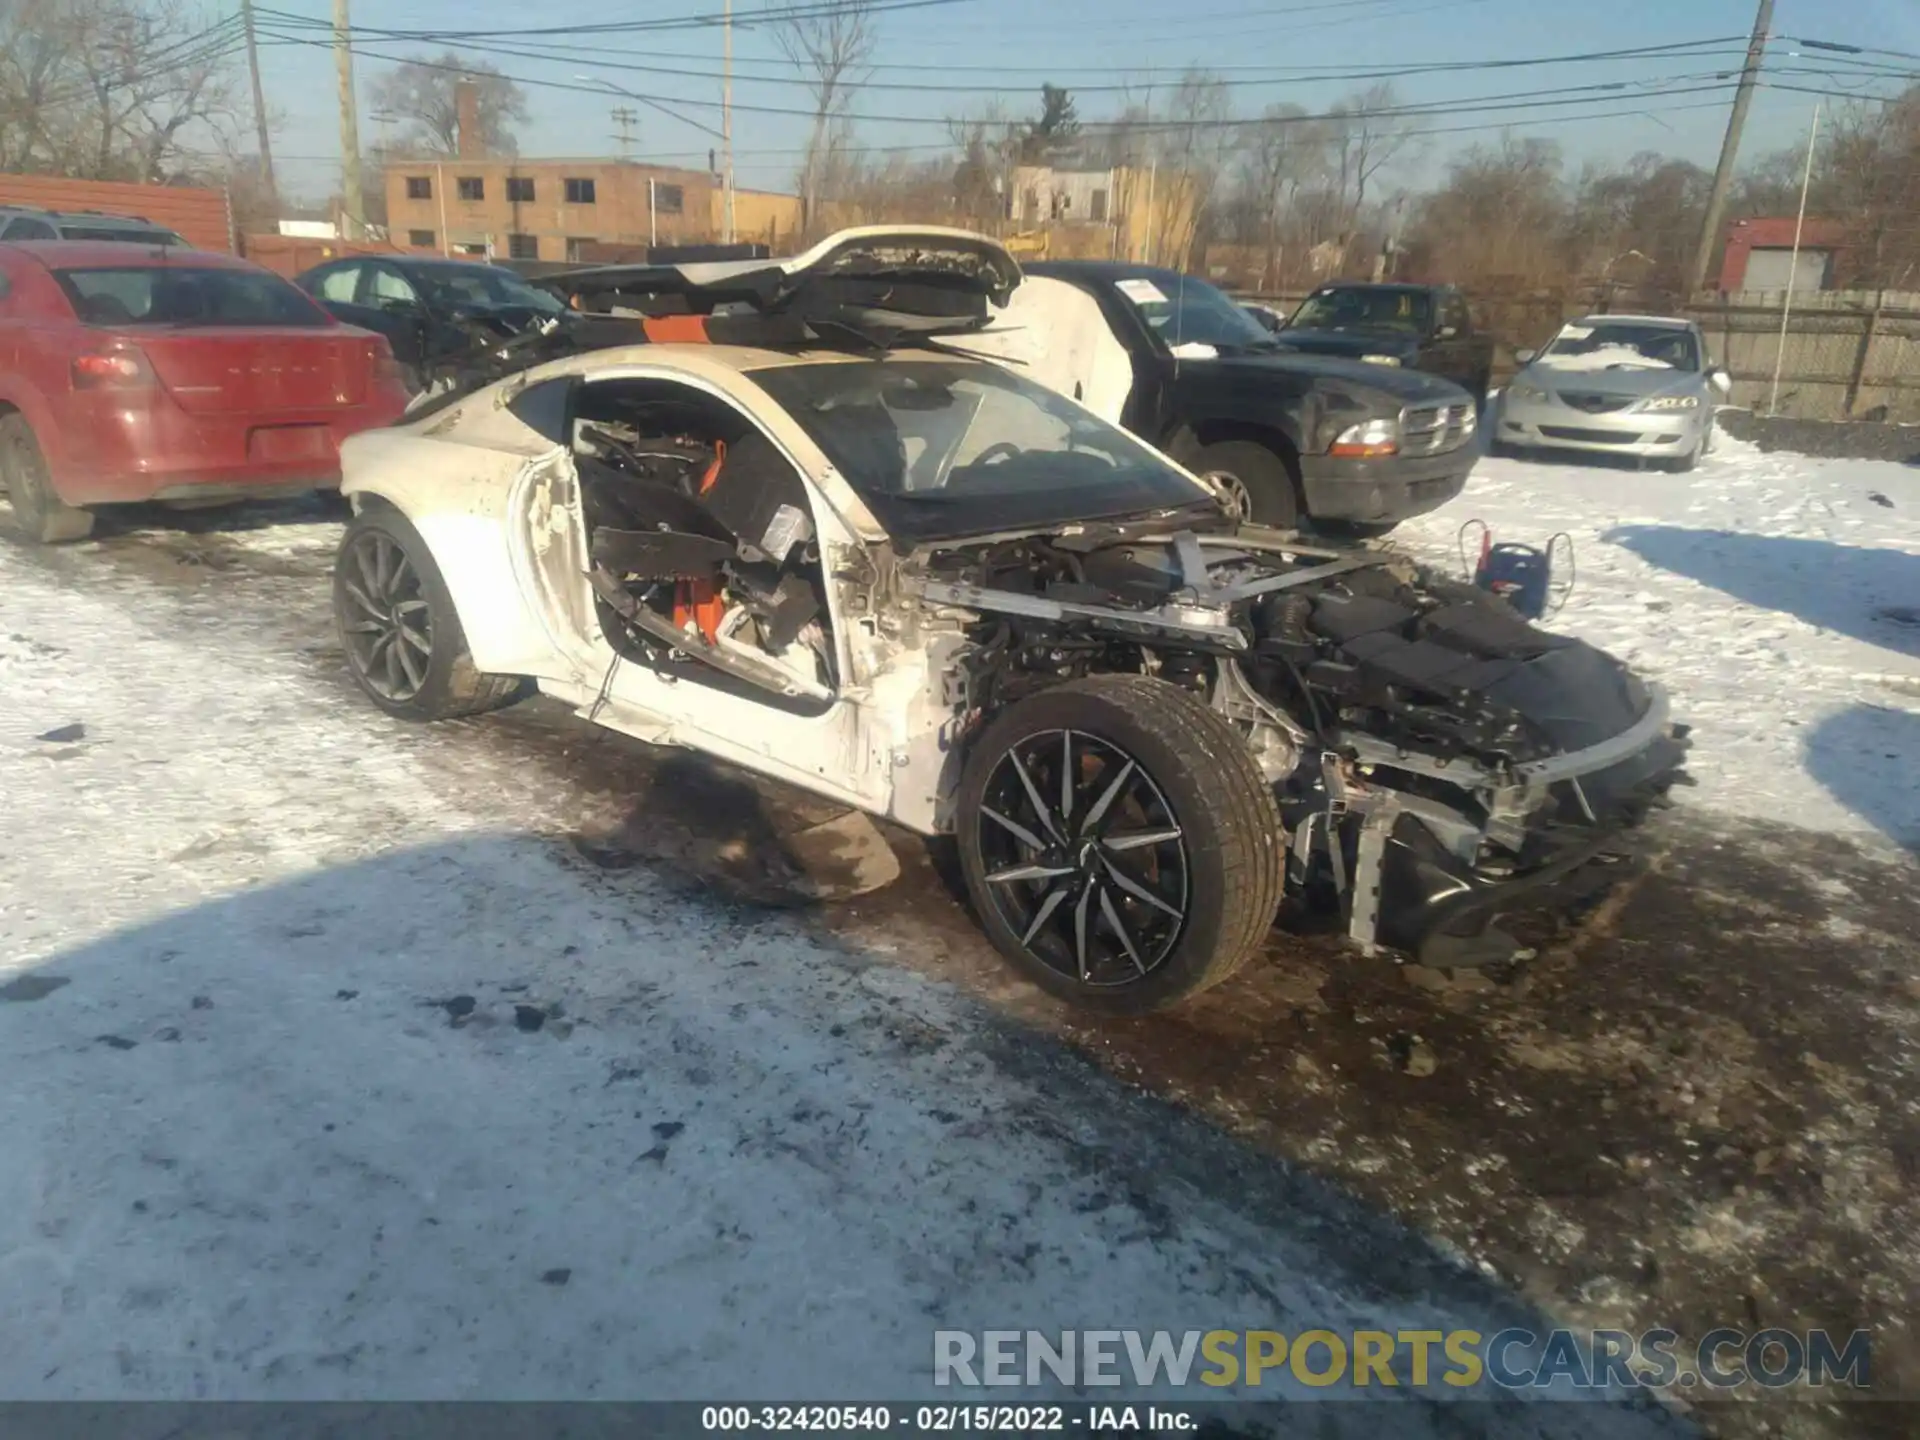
(271, 1126)
(321, 1077)
(1751, 589)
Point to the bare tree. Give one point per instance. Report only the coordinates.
(424, 94)
(830, 48)
(989, 147)
(1279, 155)
(1367, 138)
(113, 89)
(1195, 142)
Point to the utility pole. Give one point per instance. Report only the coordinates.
(353, 203)
(625, 117)
(260, 107)
(726, 118)
(1730, 149)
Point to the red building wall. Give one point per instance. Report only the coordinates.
(1773, 233)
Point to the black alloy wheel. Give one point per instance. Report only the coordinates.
(1086, 860)
(389, 626)
(1119, 843)
(399, 627)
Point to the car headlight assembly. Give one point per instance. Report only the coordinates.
(1527, 394)
(1380, 360)
(1369, 440)
(1672, 402)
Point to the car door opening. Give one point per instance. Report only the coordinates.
(701, 548)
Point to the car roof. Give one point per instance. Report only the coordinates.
(118, 254)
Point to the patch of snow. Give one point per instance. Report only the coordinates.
(277, 1123)
(1753, 589)
(1603, 357)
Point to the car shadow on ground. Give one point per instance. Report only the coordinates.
(1868, 757)
(1848, 589)
(490, 1124)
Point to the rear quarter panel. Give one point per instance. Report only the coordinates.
(463, 500)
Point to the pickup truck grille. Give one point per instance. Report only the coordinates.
(1435, 429)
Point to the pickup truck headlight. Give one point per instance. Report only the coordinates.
(1369, 440)
(1672, 402)
(1380, 359)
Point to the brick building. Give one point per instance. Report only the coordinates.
(546, 209)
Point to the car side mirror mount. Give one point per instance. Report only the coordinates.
(1525, 357)
(1720, 380)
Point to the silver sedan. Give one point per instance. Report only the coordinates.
(1639, 386)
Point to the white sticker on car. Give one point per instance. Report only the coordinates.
(1141, 292)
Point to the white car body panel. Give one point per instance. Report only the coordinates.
(1054, 333)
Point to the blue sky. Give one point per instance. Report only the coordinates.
(1013, 45)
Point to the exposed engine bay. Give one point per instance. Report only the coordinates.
(701, 550)
(1437, 760)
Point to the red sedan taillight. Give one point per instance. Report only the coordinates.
(123, 369)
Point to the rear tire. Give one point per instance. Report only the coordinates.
(399, 628)
(38, 513)
(1260, 475)
(1118, 843)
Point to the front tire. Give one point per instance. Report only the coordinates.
(38, 513)
(1119, 844)
(399, 628)
(1262, 480)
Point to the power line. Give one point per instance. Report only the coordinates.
(1556, 96)
(571, 54)
(779, 14)
(938, 148)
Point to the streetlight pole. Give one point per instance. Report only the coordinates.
(726, 119)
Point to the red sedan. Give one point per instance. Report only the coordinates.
(129, 373)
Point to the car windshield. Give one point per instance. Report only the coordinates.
(170, 295)
(1352, 307)
(1598, 345)
(945, 448)
(484, 287)
(1185, 311)
(123, 235)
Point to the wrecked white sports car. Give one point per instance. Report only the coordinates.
(770, 513)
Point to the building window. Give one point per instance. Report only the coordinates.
(669, 199)
(523, 247)
(580, 192)
(421, 239)
(519, 189)
(1097, 206)
(472, 187)
(471, 249)
(419, 187)
(577, 247)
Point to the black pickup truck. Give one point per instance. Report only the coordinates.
(1334, 443)
(1415, 327)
